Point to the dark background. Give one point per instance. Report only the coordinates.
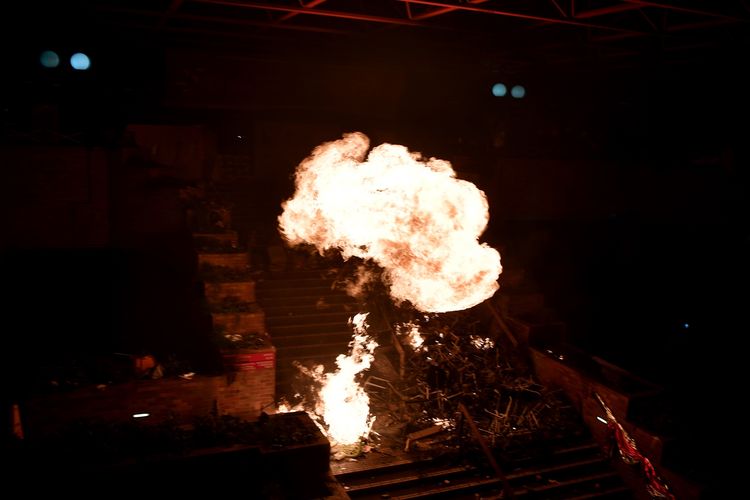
(618, 184)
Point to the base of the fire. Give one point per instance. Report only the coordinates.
(416, 397)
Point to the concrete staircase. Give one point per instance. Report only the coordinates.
(306, 318)
(570, 469)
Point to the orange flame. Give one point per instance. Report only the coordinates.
(412, 334)
(410, 215)
(342, 407)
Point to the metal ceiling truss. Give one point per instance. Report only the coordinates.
(602, 21)
(609, 15)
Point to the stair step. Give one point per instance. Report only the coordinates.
(311, 328)
(421, 475)
(314, 292)
(341, 317)
(311, 300)
(309, 309)
(321, 350)
(323, 338)
(558, 487)
(564, 467)
(303, 282)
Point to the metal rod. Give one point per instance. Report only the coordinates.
(310, 5)
(313, 12)
(508, 492)
(521, 16)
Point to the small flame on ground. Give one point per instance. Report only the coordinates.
(342, 407)
(445, 423)
(413, 336)
(410, 215)
(482, 343)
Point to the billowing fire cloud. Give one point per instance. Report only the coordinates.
(410, 215)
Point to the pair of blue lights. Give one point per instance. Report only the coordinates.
(78, 61)
(500, 90)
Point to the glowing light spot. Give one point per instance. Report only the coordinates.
(80, 61)
(518, 91)
(49, 59)
(686, 325)
(499, 90)
(600, 419)
(141, 415)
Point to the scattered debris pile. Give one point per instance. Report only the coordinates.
(450, 360)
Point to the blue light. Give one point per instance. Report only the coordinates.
(686, 325)
(518, 91)
(80, 61)
(49, 59)
(499, 90)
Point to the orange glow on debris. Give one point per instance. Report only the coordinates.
(411, 332)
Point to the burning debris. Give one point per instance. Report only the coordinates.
(341, 407)
(408, 214)
(457, 363)
(414, 228)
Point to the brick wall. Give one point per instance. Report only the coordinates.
(242, 393)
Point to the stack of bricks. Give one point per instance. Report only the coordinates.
(229, 287)
(238, 320)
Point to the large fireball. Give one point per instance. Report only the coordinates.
(410, 215)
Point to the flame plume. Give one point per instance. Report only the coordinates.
(410, 215)
(342, 407)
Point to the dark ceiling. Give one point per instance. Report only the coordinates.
(629, 65)
(608, 33)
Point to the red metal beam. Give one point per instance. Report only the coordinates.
(310, 5)
(559, 9)
(528, 17)
(686, 10)
(603, 11)
(314, 12)
(440, 11)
